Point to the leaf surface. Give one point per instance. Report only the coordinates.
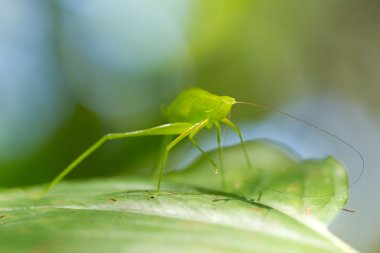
(191, 215)
(279, 179)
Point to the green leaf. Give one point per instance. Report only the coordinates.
(263, 211)
(120, 216)
(316, 188)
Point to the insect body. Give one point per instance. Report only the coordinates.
(193, 110)
(196, 105)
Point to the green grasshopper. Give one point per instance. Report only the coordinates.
(193, 110)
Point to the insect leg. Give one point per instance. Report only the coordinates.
(201, 125)
(167, 129)
(221, 167)
(166, 153)
(165, 141)
(237, 130)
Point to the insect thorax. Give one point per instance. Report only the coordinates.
(195, 105)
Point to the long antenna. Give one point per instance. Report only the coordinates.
(320, 129)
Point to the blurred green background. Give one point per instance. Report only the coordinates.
(71, 71)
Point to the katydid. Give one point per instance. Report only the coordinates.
(192, 110)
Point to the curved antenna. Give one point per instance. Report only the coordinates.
(355, 150)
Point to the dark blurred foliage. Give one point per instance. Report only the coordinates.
(72, 71)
